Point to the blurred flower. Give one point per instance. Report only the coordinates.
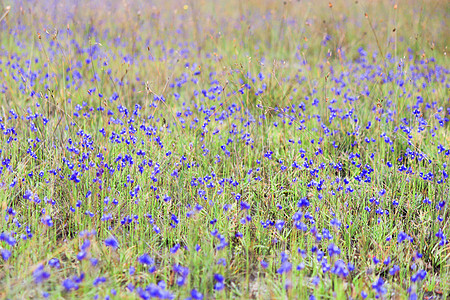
(6, 254)
(279, 225)
(99, 280)
(47, 220)
(218, 286)
(316, 280)
(196, 295)
(54, 263)
(69, 285)
(264, 264)
(40, 274)
(145, 259)
(340, 268)
(112, 242)
(333, 250)
(378, 286)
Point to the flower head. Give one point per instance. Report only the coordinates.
(112, 242)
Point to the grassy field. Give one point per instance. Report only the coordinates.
(224, 149)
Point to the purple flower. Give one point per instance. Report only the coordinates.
(222, 261)
(264, 264)
(54, 263)
(40, 275)
(94, 261)
(145, 259)
(218, 277)
(401, 237)
(279, 225)
(351, 267)
(422, 274)
(196, 295)
(378, 286)
(6, 254)
(245, 205)
(130, 287)
(182, 271)
(286, 267)
(47, 220)
(99, 280)
(333, 250)
(69, 285)
(112, 242)
(219, 285)
(81, 255)
(335, 223)
(394, 270)
(132, 270)
(316, 280)
(175, 248)
(340, 268)
(419, 276)
(28, 195)
(85, 245)
(303, 202)
(181, 280)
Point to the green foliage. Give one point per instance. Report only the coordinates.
(137, 51)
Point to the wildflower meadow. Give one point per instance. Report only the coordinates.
(207, 149)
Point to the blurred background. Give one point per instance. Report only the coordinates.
(317, 26)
